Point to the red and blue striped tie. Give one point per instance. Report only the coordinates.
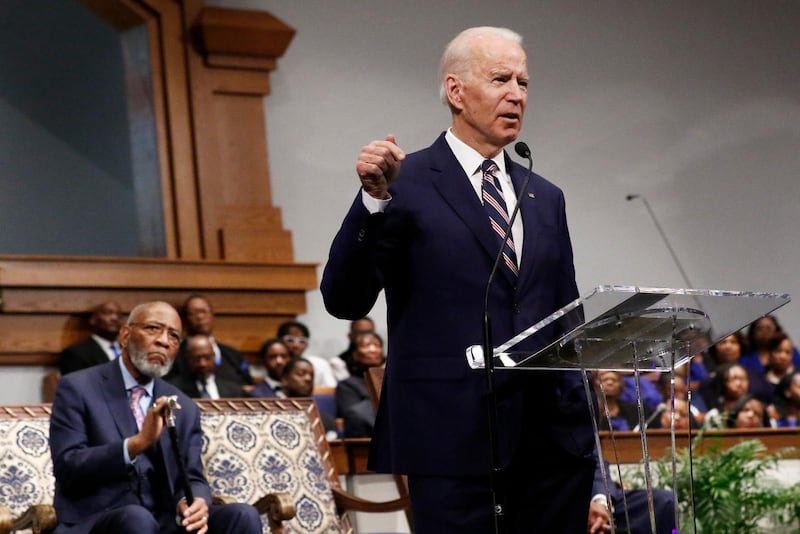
(498, 213)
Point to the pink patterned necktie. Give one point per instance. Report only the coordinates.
(137, 392)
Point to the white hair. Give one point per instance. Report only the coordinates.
(456, 56)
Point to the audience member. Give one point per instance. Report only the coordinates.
(785, 408)
(353, 402)
(731, 383)
(697, 406)
(747, 412)
(200, 379)
(683, 418)
(651, 397)
(613, 413)
(102, 346)
(199, 319)
(728, 349)
(779, 363)
(298, 381)
(759, 335)
(341, 365)
(275, 355)
(115, 468)
(296, 335)
(638, 510)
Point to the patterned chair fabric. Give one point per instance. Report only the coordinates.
(252, 450)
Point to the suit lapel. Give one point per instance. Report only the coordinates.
(117, 400)
(449, 179)
(530, 219)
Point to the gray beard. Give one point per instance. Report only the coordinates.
(153, 370)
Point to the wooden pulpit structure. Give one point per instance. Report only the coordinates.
(210, 69)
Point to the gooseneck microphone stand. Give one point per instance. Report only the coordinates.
(173, 437)
(497, 488)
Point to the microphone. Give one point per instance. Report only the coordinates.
(659, 410)
(630, 197)
(172, 405)
(498, 494)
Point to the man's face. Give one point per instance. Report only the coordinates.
(151, 341)
(200, 357)
(275, 360)
(199, 317)
(490, 98)
(106, 320)
(300, 381)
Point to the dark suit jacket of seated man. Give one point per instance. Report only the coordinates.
(115, 476)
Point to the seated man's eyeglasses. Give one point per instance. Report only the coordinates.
(156, 329)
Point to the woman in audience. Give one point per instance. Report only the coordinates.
(747, 412)
(728, 350)
(758, 336)
(730, 384)
(779, 363)
(296, 336)
(785, 408)
(353, 403)
(614, 413)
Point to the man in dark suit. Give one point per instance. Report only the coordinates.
(200, 380)
(115, 469)
(428, 242)
(199, 319)
(101, 346)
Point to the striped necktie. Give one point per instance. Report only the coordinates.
(498, 213)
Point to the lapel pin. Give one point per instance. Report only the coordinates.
(531, 195)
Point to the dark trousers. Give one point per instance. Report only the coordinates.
(133, 519)
(547, 491)
(639, 512)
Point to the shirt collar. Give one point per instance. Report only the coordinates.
(469, 158)
(129, 381)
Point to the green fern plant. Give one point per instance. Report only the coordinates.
(733, 491)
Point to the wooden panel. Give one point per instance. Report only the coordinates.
(75, 301)
(152, 273)
(350, 455)
(234, 31)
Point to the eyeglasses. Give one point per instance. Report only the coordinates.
(156, 329)
(301, 340)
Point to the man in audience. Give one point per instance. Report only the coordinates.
(230, 363)
(295, 334)
(638, 510)
(200, 380)
(275, 355)
(298, 381)
(115, 467)
(101, 346)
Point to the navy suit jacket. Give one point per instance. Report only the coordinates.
(89, 421)
(432, 251)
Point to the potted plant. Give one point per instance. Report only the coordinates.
(733, 490)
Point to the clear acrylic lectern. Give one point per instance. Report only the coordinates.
(624, 327)
(630, 328)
